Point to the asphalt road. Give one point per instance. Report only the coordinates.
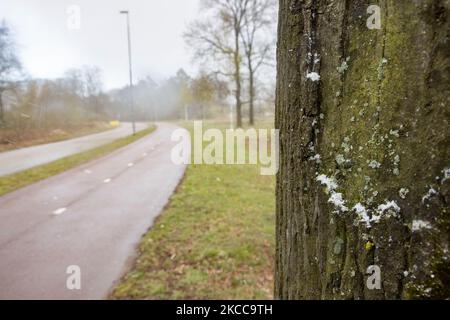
(21, 159)
(92, 216)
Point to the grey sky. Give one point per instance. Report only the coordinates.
(48, 47)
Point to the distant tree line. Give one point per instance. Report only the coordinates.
(179, 97)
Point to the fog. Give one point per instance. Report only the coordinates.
(66, 63)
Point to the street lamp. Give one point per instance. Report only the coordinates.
(131, 70)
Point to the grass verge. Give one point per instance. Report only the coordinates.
(21, 179)
(12, 139)
(215, 239)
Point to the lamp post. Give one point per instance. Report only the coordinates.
(126, 12)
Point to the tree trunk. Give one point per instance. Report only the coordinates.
(375, 129)
(251, 74)
(2, 111)
(237, 78)
(186, 113)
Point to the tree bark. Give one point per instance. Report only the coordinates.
(376, 126)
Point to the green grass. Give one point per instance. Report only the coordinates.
(215, 239)
(21, 179)
(23, 137)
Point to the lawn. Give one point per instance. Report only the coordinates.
(21, 179)
(11, 138)
(214, 240)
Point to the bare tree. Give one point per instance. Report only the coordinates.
(92, 80)
(86, 84)
(93, 87)
(74, 83)
(217, 37)
(10, 67)
(203, 92)
(258, 46)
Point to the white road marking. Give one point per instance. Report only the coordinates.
(131, 164)
(144, 154)
(87, 171)
(107, 180)
(59, 211)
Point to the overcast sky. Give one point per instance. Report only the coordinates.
(50, 43)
